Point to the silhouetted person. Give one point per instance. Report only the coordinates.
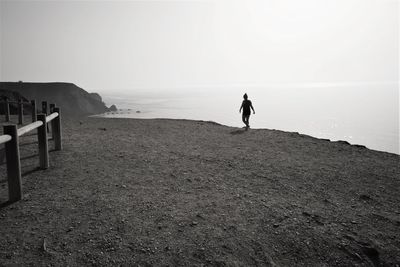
(246, 105)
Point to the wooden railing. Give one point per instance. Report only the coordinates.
(20, 105)
(11, 140)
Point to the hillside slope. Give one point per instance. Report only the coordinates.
(72, 99)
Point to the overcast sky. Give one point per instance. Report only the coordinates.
(122, 45)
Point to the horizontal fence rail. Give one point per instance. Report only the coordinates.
(12, 102)
(11, 140)
(5, 138)
(51, 117)
(16, 102)
(29, 127)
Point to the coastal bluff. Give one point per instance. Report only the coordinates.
(73, 100)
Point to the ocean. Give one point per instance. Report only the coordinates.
(367, 115)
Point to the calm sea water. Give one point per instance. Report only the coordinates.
(367, 115)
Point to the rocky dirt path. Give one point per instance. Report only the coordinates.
(175, 192)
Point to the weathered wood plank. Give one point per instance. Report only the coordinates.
(43, 144)
(13, 164)
(20, 112)
(7, 110)
(29, 127)
(57, 135)
(34, 112)
(51, 117)
(5, 138)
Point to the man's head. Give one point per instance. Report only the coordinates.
(245, 96)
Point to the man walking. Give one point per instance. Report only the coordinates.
(246, 105)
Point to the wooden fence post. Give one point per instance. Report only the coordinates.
(7, 110)
(44, 107)
(51, 110)
(56, 128)
(13, 164)
(43, 145)
(34, 114)
(20, 112)
(52, 106)
(44, 111)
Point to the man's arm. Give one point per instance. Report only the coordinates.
(240, 110)
(251, 105)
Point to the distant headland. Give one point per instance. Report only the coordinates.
(73, 100)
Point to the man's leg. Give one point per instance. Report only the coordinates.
(244, 119)
(247, 120)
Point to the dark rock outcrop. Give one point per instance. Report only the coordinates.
(113, 108)
(73, 100)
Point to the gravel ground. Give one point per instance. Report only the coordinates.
(191, 193)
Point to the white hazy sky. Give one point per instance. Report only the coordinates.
(121, 45)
